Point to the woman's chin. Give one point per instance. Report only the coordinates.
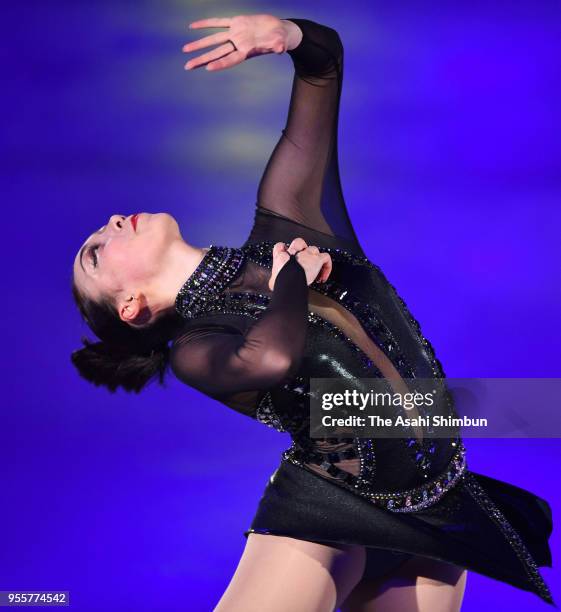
(163, 222)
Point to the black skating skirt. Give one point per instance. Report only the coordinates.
(481, 524)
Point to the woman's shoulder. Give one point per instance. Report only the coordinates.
(208, 325)
(198, 350)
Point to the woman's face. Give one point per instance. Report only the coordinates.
(125, 255)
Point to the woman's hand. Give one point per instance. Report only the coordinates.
(251, 34)
(317, 266)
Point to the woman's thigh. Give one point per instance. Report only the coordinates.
(419, 584)
(277, 573)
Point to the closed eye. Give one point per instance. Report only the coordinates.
(93, 255)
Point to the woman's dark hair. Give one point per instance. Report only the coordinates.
(126, 356)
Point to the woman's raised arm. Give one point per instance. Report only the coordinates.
(301, 180)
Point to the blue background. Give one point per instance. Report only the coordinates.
(450, 157)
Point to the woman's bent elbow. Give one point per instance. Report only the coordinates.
(278, 363)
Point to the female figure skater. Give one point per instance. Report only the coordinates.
(349, 523)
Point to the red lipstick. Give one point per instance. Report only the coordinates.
(134, 220)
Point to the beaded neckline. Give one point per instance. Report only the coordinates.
(217, 269)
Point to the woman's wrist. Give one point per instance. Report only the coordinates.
(294, 34)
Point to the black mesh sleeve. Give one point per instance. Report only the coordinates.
(301, 180)
(219, 361)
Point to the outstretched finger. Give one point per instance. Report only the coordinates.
(210, 56)
(232, 59)
(211, 39)
(211, 22)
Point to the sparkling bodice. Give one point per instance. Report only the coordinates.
(229, 289)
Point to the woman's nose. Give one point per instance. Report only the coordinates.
(116, 222)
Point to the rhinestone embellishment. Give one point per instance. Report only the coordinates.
(486, 503)
(409, 500)
(266, 414)
(216, 271)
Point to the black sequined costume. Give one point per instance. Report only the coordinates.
(255, 351)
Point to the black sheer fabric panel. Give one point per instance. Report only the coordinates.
(269, 226)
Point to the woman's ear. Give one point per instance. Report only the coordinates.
(134, 309)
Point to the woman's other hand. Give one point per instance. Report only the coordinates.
(317, 266)
(251, 34)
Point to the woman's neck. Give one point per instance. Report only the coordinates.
(181, 260)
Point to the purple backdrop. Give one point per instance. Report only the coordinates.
(450, 160)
